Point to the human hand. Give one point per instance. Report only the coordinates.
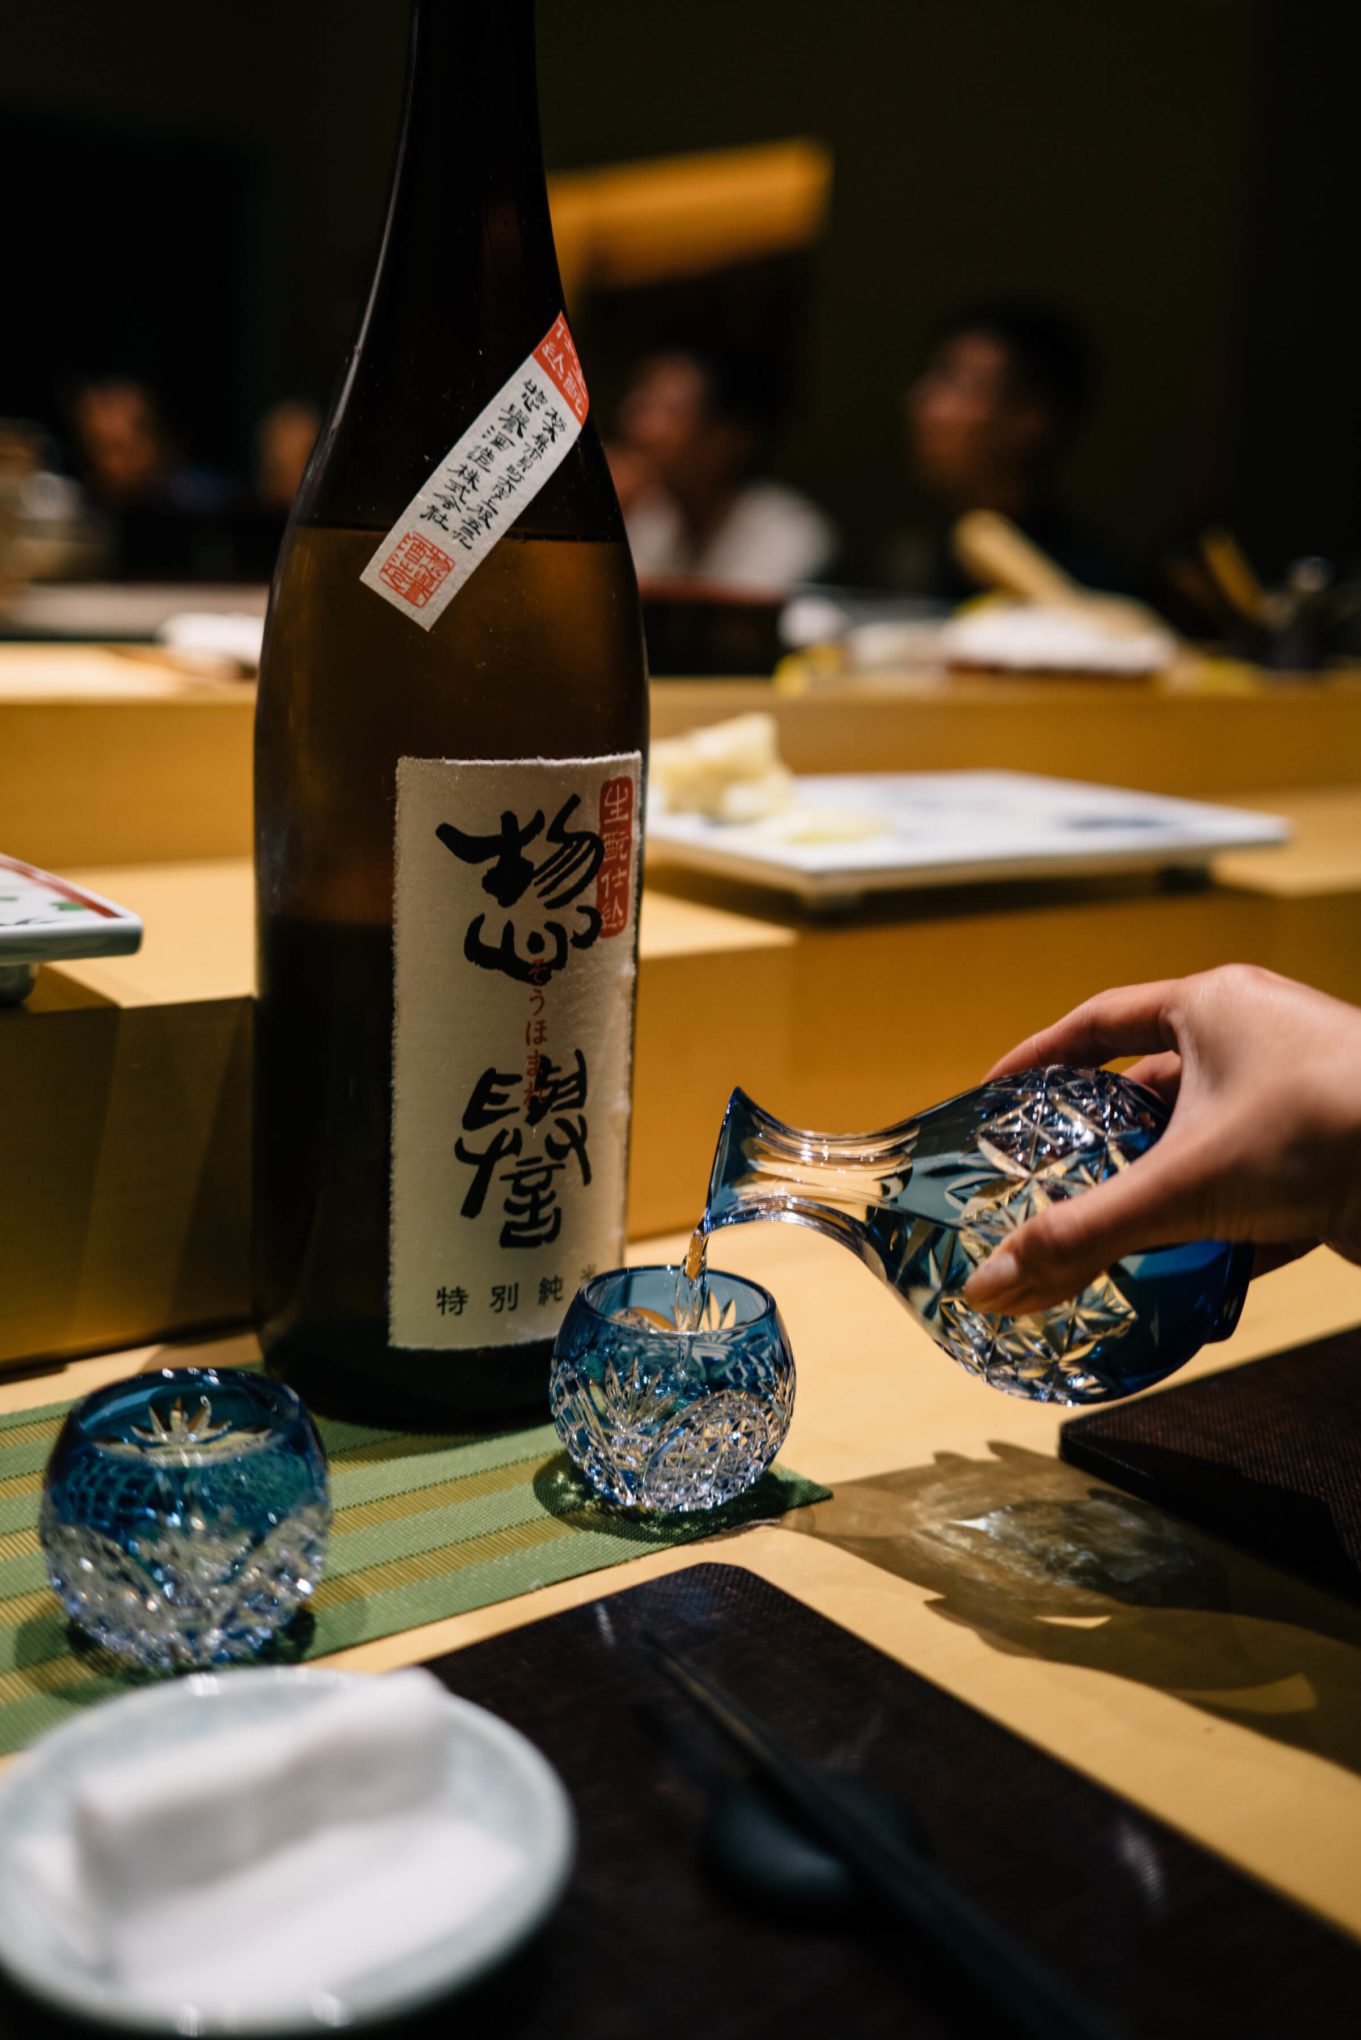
(1263, 1077)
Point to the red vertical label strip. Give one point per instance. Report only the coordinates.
(558, 357)
(614, 883)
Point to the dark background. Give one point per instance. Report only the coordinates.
(194, 195)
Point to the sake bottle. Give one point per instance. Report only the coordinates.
(449, 739)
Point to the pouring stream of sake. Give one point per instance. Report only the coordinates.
(693, 1309)
(692, 1289)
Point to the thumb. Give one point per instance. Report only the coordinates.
(1158, 1201)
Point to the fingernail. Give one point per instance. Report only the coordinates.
(994, 1280)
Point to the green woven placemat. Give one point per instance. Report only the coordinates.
(425, 1526)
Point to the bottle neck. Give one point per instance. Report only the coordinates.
(469, 208)
(466, 284)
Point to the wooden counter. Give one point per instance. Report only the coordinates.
(1237, 1719)
(124, 1167)
(123, 1191)
(1204, 744)
(113, 756)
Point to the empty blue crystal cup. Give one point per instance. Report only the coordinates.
(185, 1515)
(662, 1419)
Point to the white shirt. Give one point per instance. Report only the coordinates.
(771, 538)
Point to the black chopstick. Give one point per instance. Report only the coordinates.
(1025, 1989)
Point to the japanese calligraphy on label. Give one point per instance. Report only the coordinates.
(483, 482)
(514, 957)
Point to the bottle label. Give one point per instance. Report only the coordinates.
(514, 960)
(483, 483)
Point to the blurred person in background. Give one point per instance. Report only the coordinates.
(164, 517)
(284, 439)
(1003, 396)
(694, 435)
(127, 456)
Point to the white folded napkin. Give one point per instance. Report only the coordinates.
(269, 1863)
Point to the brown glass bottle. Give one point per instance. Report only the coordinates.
(538, 656)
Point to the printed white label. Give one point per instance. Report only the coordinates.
(484, 482)
(513, 941)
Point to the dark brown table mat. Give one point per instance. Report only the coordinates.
(1266, 1456)
(1162, 1937)
(1165, 1938)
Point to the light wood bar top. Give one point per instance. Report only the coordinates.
(1237, 1718)
(114, 754)
(131, 1074)
(200, 930)
(1204, 743)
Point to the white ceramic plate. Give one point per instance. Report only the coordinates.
(494, 1775)
(962, 828)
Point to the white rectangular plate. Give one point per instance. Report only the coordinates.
(962, 828)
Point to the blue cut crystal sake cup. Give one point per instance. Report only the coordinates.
(185, 1515)
(668, 1420)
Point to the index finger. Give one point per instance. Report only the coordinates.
(1129, 1020)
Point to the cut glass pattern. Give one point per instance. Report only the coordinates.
(923, 1203)
(185, 1515)
(667, 1419)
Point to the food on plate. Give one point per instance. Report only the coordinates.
(731, 772)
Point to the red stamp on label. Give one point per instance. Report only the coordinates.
(556, 353)
(415, 568)
(614, 882)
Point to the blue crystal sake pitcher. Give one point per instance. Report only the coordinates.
(922, 1203)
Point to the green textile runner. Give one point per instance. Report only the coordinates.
(425, 1526)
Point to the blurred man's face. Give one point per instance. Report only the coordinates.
(973, 432)
(667, 420)
(121, 438)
